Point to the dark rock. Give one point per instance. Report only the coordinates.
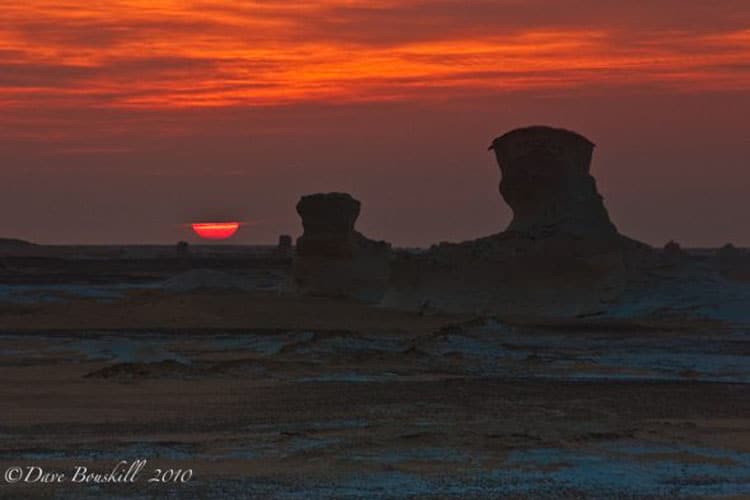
(509, 274)
(546, 180)
(561, 256)
(12, 244)
(332, 259)
(734, 263)
(673, 251)
(285, 241)
(15, 243)
(285, 248)
(328, 222)
(728, 253)
(183, 248)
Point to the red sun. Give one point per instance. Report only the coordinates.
(215, 230)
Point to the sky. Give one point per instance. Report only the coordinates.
(124, 121)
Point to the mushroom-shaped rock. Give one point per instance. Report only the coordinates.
(328, 222)
(546, 181)
(560, 256)
(332, 259)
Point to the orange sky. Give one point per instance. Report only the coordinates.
(87, 86)
(153, 54)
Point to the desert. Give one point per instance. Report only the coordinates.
(556, 359)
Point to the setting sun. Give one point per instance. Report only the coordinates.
(215, 230)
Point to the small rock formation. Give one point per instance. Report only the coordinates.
(284, 248)
(183, 248)
(673, 252)
(560, 256)
(332, 258)
(734, 263)
(728, 253)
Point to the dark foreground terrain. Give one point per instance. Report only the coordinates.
(263, 395)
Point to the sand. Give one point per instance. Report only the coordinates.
(368, 402)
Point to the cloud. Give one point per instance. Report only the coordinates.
(179, 54)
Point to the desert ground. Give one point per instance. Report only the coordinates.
(207, 365)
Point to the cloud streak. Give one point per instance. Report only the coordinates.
(178, 54)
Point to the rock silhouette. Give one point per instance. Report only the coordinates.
(673, 252)
(182, 248)
(328, 222)
(560, 256)
(729, 253)
(332, 258)
(284, 247)
(14, 243)
(546, 180)
(734, 263)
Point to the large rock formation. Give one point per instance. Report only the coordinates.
(332, 258)
(560, 256)
(546, 181)
(328, 222)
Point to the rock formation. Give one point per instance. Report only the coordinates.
(560, 256)
(284, 248)
(673, 252)
(13, 245)
(728, 253)
(182, 249)
(734, 263)
(328, 222)
(546, 180)
(332, 258)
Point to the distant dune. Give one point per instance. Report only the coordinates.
(12, 243)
